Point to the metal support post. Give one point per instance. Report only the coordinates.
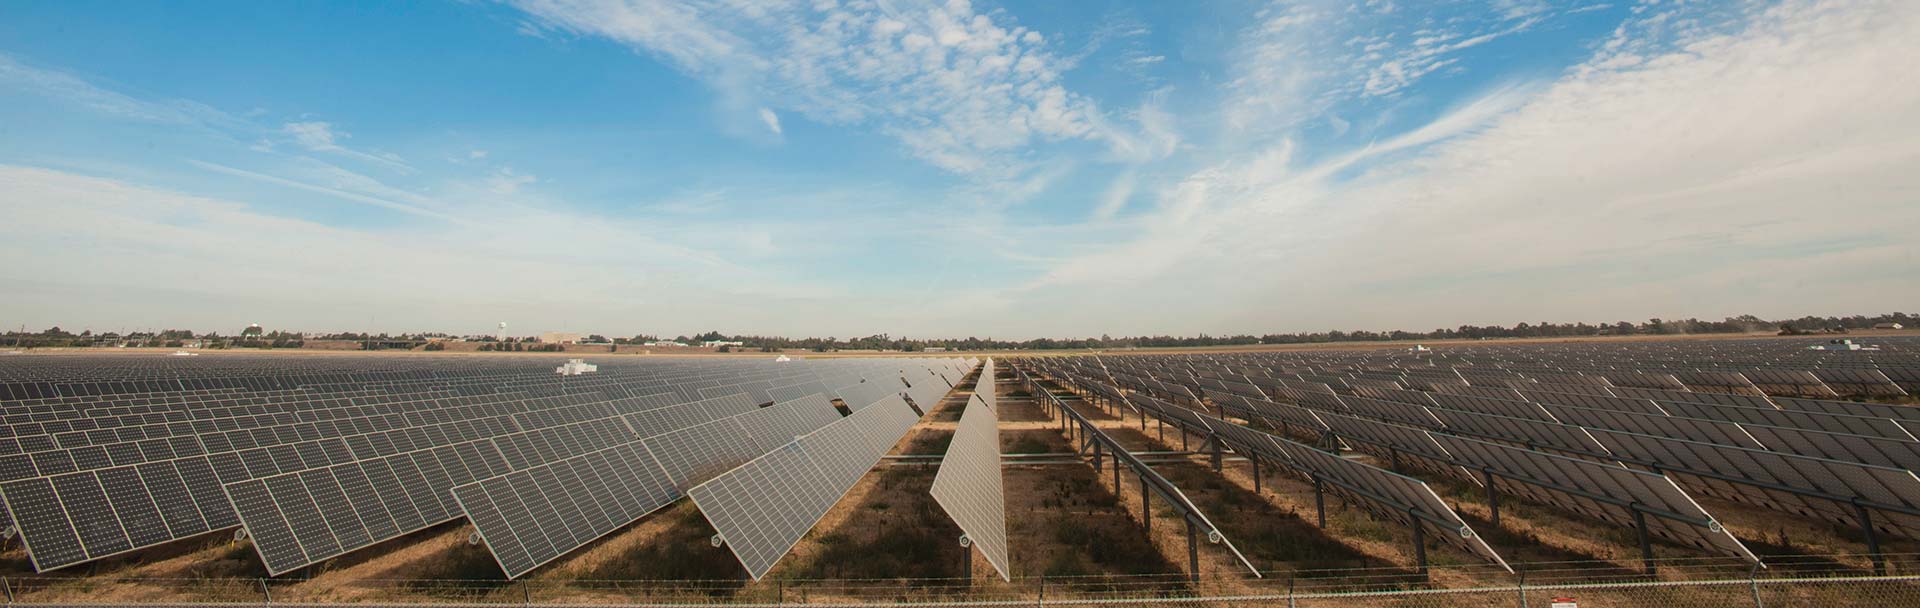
(1873, 539)
(966, 564)
(1256, 471)
(1146, 506)
(1493, 498)
(1193, 550)
(1216, 453)
(1419, 543)
(1646, 541)
(1320, 500)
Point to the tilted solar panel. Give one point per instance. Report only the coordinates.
(969, 487)
(1601, 485)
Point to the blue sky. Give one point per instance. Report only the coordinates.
(952, 168)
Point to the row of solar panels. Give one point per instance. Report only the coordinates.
(762, 508)
(347, 484)
(1790, 370)
(1607, 492)
(1387, 495)
(969, 486)
(1818, 383)
(1809, 464)
(1094, 436)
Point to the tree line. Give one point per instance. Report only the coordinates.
(253, 337)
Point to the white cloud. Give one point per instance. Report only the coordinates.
(507, 182)
(960, 89)
(323, 137)
(72, 89)
(1763, 168)
(313, 135)
(339, 193)
(1116, 197)
(767, 117)
(90, 240)
(1300, 59)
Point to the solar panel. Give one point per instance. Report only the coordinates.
(1403, 413)
(1831, 423)
(1861, 382)
(1691, 429)
(763, 507)
(968, 485)
(1393, 496)
(1643, 406)
(1390, 442)
(697, 453)
(1293, 415)
(1875, 451)
(1850, 408)
(530, 517)
(984, 386)
(1497, 407)
(334, 510)
(1737, 474)
(1603, 488)
(1532, 433)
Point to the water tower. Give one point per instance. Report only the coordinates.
(502, 334)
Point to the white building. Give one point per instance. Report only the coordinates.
(665, 343)
(1888, 326)
(560, 337)
(575, 367)
(719, 343)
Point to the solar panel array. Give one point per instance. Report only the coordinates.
(1736, 419)
(318, 457)
(1385, 494)
(762, 508)
(968, 485)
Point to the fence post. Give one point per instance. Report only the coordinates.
(526, 593)
(1041, 600)
(1522, 586)
(1753, 583)
(266, 595)
(8, 584)
(1290, 590)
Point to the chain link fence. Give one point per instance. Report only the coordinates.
(1678, 583)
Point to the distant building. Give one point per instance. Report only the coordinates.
(665, 343)
(575, 367)
(1842, 345)
(936, 349)
(718, 343)
(1888, 326)
(560, 337)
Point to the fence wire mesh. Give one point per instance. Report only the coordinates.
(1828, 580)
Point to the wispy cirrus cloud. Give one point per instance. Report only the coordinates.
(320, 136)
(963, 90)
(1621, 189)
(1299, 59)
